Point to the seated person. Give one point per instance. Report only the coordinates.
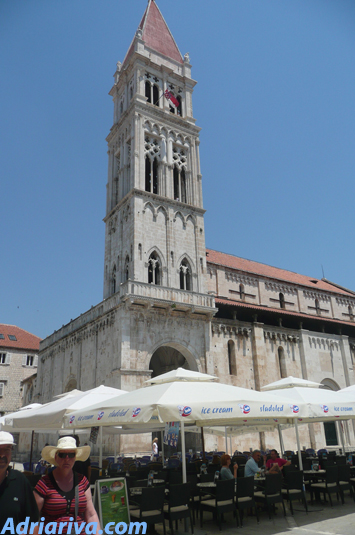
(252, 465)
(225, 470)
(275, 460)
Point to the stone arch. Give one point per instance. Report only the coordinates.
(156, 249)
(330, 384)
(191, 218)
(189, 259)
(163, 210)
(71, 384)
(189, 354)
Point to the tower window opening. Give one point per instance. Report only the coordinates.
(179, 184)
(113, 280)
(155, 176)
(241, 292)
(148, 92)
(282, 362)
(151, 175)
(317, 306)
(148, 174)
(179, 109)
(350, 311)
(231, 358)
(154, 271)
(126, 271)
(185, 276)
(156, 95)
(282, 300)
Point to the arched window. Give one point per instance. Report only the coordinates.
(131, 93)
(185, 275)
(231, 358)
(148, 92)
(126, 269)
(179, 184)
(156, 95)
(282, 300)
(151, 175)
(241, 292)
(113, 280)
(350, 311)
(179, 109)
(154, 269)
(282, 362)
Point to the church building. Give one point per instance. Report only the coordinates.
(168, 301)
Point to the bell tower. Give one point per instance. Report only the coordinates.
(154, 239)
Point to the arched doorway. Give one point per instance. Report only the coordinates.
(165, 359)
(330, 428)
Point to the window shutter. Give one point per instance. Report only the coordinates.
(35, 362)
(8, 358)
(24, 360)
(1, 389)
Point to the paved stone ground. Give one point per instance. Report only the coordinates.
(320, 520)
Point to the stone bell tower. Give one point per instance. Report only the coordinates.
(155, 240)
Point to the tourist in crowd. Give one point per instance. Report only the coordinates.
(16, 497)
(155, 450)
(225, 470)
(275, 460)
(252, 465)
(55, 493)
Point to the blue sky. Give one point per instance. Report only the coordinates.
(275, 100)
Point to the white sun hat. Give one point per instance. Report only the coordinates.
(6, 439)
(65, 443)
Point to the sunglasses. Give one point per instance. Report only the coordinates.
(64, 454)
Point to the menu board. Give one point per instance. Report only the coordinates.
(111, 497)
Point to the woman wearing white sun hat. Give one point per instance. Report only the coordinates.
(64, 494)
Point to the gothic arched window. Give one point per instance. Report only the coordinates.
(151, 175)
(148, 92)
(179, 184)
(113, 280)
(154, 269)
(185, 276)
(179, 109)
(282, 300)
(231, 358)
(282, 362)
(155, 95)
(241, 292)
(126, 269)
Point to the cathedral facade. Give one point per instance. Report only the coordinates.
(167, 300)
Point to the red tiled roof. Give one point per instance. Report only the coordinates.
(231, 302)
(156, 34)
(24, 339)
(270, 272)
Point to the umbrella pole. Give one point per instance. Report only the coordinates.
(183, 453)
(226, 437)
(203, 446)
(114, 449)
(31, 453)
(100, 457)
(162, 448)
(298, 444)
(282, 446)
(341, 433)
(230, 443)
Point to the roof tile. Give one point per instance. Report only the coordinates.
(24, 339)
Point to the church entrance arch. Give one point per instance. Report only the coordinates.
(171, 356)
(166, 358)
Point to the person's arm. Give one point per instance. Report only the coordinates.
(235, 468)
(39, 500)
(90, 513)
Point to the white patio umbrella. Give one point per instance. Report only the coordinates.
(189, 402)
(289, 382)
(319, 405)
(180, 374)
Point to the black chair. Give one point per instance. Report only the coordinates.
(213, 468)
(239, 459)
(177, 507)
(206, 478)
(175, 478)
(151, 508)
(245, 497)
(328, 486)
(194, 494)
(223, 502)
(289, 468)
(340, 459)
(293, 488)
(271, 493)
(344, 481)
(240, 471)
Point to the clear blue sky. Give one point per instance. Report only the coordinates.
(275, 100)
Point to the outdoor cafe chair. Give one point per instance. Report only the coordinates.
(340, 459)
(245, 497)
(328, 486)
(293, 488)
(151, 507)
(344, 480)
(223, 501)
(271, 494)
(177, 507)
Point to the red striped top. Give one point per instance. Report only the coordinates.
(58, 505)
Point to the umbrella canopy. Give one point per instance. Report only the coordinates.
(319, 404)
(349, 389)
(202, 403)
(180, 374)
(50, 415)
(289, 382)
